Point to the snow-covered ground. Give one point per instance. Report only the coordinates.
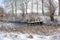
(25, 36)
(20, 36)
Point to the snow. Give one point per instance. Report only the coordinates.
(20, 36)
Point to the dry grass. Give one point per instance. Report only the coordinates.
(44, 29)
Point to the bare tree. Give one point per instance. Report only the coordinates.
(59, 7)
(52, 10)
(12, 7)
(23, 8)
(1, 11)
(32, 6)
(37, 6)
(26, 6)
(26, 2)
(15, 1)
(51, 7)
(42, 7)
(7, 4)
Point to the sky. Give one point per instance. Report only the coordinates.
(0, 2)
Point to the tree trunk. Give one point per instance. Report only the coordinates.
(42, 8)
(52, 17)
(12, 8)
(32, 7)
(52, 10)
(37, 6)
(26, 6)
(59, 7)
(23, 9)
(16, 7)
